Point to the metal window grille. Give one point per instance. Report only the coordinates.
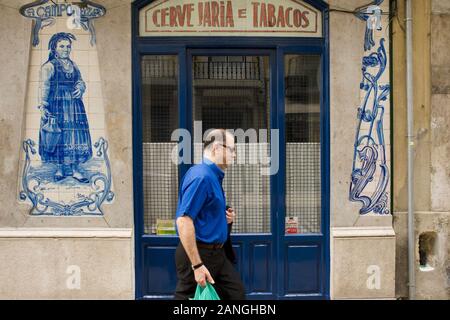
(159, 119)
(232, 93)
(227, 68)
(246, 189)
(303, 191)
(303, 183)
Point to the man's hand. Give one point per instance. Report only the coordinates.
(186, 231)
(202, 275)
(230, 215)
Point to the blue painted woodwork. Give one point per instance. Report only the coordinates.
(273, 265)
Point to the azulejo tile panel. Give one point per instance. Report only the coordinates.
(370, 171)
(66, 170)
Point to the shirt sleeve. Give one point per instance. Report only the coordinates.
(193, 197)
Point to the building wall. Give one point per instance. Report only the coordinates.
(362, 246)
(100, 249)
(436, 284)
(430, 42)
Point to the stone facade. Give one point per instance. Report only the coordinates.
(93, 256)
(430, 38)
(356, 240)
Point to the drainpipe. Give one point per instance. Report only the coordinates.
(410, 115)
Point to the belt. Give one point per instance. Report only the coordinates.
(209, 245)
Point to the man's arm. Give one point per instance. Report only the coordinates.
(186, 232)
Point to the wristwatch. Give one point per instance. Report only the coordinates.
(197, 266)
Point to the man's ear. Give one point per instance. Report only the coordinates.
(213, 149)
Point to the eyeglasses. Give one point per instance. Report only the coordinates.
(232, 150)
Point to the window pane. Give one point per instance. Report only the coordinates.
(302, 103)
(159, 119)
(232, 92)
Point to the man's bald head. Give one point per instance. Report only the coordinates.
(219, 147)
(220, 136)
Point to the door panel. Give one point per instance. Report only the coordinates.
(261, 268)
(302, 269)
(303, 239)
(160, 117)
(232, 90)
(160, 270)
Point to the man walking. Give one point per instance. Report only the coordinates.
(201, 221)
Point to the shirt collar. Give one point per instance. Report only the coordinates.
(217, 170)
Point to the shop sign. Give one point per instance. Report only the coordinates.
(291, 18)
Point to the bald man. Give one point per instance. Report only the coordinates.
(202, 223)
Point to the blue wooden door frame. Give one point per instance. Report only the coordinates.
(275, 48)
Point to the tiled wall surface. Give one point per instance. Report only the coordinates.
(85, 56)
(346, 54)
(101, 246)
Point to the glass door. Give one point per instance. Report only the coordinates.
(232, 90)
(303, 241)
(233, 93)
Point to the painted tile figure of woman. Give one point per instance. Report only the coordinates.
(64, 137)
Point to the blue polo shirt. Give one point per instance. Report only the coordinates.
(201, 197)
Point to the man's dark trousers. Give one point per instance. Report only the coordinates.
(227, 280)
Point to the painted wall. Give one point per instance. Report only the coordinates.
(98, 245)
